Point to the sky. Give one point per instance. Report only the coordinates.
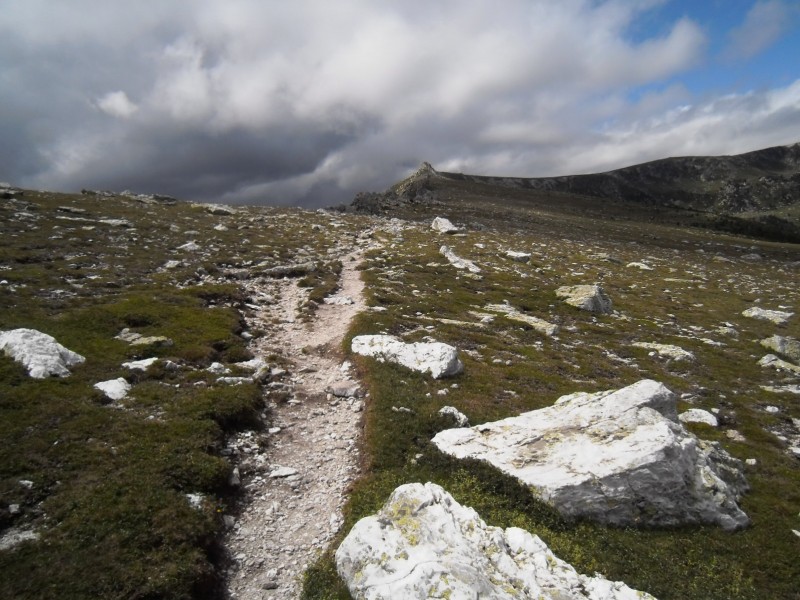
(310, 101)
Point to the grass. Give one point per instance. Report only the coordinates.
(109, 481)
(106, 485)
(700, 281)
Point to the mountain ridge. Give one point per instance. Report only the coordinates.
(756, 193)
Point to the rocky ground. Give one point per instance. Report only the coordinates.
(295, 481)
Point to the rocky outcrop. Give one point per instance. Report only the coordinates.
(619, 457)
(785, 346)
(436, 358)
(770, 360)
(424, 544)
(39, 353)
(592, 298)
(778, 317)
(457, 261)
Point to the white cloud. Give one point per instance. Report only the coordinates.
(117, 104)
(254, 100)
(764, 24)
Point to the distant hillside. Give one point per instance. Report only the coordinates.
(757, 193)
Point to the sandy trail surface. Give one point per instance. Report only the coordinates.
(295, 475)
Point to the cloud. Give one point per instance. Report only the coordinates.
(764, 24)
(310, 101)
(117, 104)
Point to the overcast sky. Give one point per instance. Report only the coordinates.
(308, 101)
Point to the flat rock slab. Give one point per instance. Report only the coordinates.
(436, 358)
(778, 317)
(592, 298)
(424, 544)
(666, 350)
(38, 352)
(540, 325)
(619, 457)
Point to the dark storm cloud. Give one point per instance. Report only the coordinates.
(310, 101)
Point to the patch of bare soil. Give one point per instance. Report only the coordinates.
(296, 474)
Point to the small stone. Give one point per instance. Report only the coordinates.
(442, 225)
(114, 389)
(698, 415)
(279, 472)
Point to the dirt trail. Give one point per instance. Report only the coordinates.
(295, 479)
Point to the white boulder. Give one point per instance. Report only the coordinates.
(436, 358)
(424, 544)
(39, 353)
(619, 457)
(443, 225)
(786, 346)
(457, 261)
(639, 265)
(586, 297)
(458, 417)
(698, 415)
(114, 389)
(140, 365)
(778, 317)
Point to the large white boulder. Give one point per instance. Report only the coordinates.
(38, 352)
(619, 457)
(586, 297)
(424, 544)
(436, 358)
(443, 225)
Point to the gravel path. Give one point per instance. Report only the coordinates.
(295, 476)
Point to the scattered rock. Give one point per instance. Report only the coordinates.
(458, 262)
(522, 257)
(140, 365)
(775, 316)
(294, 270)
(586, 297)
(217, 368)
(190, 246)
(152, 340)
(770, 360)
(666, 350)
(220, 209)
(786, 346)
(782, 389)
(512, 313)
(114, 389)
(436, 358)
(15, 536)
(39, 353)
(345, 389)
(698, 415)
(338, 300)
(619, 457)
(460, 418)
(280, 472)
(116, 222)
(639, 265)
(424, 544)
(443, 225)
